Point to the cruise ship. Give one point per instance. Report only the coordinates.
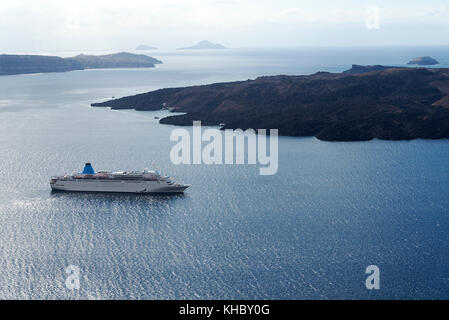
(107, 181)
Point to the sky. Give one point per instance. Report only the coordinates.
(61, 25)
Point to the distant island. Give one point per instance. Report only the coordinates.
(391, 104)
(423, 61)
(204, 45)
(23, 64)
(11, 64)
(145, 47)
(116, 60)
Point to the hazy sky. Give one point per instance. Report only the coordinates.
(53, 25)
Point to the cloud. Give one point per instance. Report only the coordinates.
(96, 24)
(307, 15)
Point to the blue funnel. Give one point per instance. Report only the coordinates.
(88, 169)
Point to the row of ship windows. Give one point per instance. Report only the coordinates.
(128, 181)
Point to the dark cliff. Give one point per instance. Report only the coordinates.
(394, 104)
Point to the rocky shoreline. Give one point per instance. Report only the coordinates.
(361, 104)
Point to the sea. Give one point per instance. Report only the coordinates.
(308, 232)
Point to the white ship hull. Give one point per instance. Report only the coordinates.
(123, 186)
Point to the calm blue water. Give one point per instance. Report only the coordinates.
(307, 232)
